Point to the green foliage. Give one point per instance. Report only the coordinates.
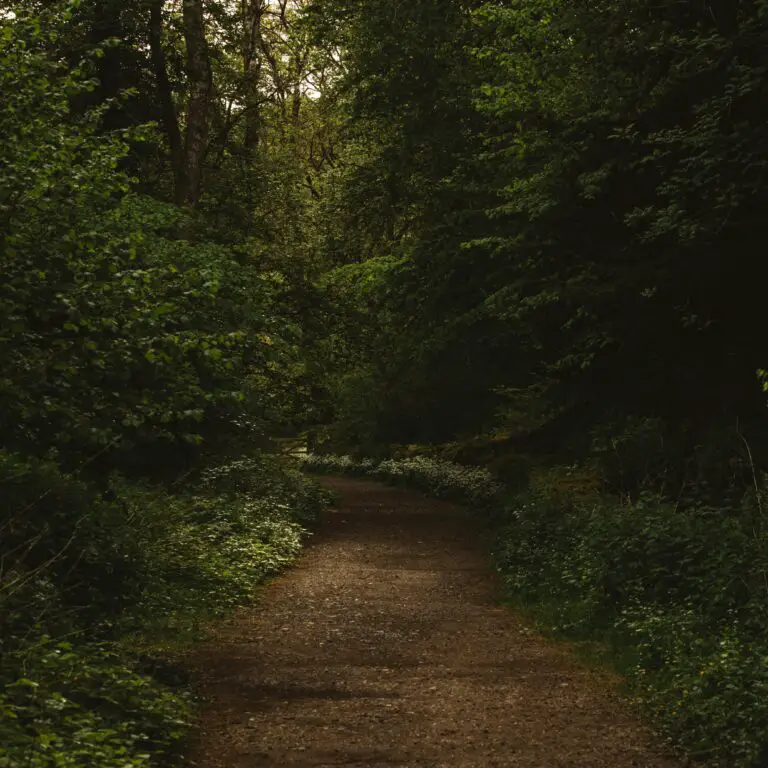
(203, 553)
(706, 686)
(100, 580)
(68, 704)
(681, 586)
(443, 479)
(144, 554)
(119, 335)
(550, 177)
(140, 342)
(627, 119)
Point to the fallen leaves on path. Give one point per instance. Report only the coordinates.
(384, 647)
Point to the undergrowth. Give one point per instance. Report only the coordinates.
(679, 588)
(89, 601)
(442, 479)
(675, 591)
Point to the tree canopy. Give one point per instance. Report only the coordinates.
(570, 200)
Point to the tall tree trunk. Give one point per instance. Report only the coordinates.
(200, 83)
(106, 24)
(170, 118)
(296, 105)
(253, 13)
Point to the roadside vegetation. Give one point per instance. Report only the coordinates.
(672, 595)
(146, 360)
(522, 237)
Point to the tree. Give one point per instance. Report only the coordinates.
(200, 85)
(170, 120)
(551, 177)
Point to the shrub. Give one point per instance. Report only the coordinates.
(706, 685)
(122, 334)
(680, 588)
(91, 579)
(443, 479)
(68, 705)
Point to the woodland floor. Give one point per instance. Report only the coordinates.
(386, 647)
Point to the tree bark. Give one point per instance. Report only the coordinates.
(200, 84)
(725, 14)
(106, 24)
(168, 109)
(254, 13)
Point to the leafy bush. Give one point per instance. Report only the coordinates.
(268, 476)
(706, 684)
(442, 479)
(122, 334)
(681, 589)
(68, 705)
(213, 555)
(90, 579)
(62, 530)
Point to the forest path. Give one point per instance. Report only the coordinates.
(385, 647)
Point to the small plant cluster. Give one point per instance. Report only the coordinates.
(473, 486)
(95, 585)
(71, 704)
(680, 592)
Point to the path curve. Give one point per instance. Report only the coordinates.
(384, 647)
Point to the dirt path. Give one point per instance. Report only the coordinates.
(384, 647)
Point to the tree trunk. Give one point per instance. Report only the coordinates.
(170, 118)
(200, 84)
(253, 13)
(296, 106)
(725, 14)
(106, 24)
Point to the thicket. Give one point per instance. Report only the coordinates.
(149, 350)
(549, 220)
(674, 589)
(97, 594)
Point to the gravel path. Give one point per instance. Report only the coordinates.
(384, 647)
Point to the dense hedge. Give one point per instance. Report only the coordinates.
(88, 599)
(677, 591)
